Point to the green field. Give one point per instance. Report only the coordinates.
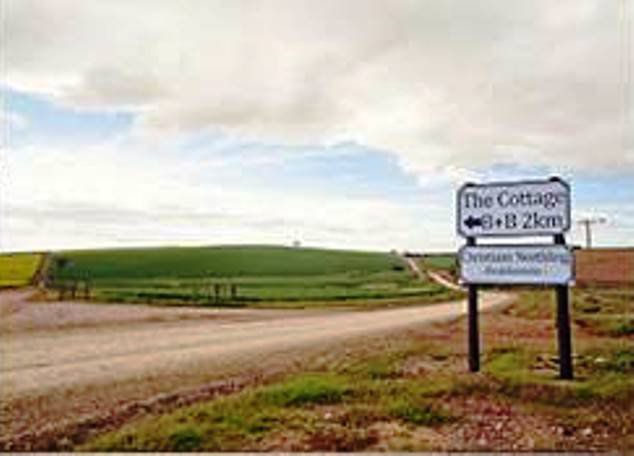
(257, 274)
(18, 269)
(440, 262)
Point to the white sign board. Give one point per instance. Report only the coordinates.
(509, 264)
(529, 208)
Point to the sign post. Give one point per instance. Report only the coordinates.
(525, 208)
(474, 333)
(563, 324)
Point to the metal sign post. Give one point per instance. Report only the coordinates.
(563, 324)
(474, 333)
(526, 208)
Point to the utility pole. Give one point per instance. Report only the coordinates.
(587, 223)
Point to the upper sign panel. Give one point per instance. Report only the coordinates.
(528, 208)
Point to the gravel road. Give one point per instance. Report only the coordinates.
(140, 341)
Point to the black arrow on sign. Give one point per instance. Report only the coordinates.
(472, 222)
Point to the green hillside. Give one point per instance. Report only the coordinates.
(440, 261)
(243, 261)
(239, 275)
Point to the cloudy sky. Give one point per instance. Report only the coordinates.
(338, 123)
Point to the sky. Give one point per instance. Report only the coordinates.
(338, 124)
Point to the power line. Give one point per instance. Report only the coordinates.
(587, 223)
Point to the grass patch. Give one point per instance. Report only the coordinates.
(18, 269)
(607, 376)
(442, 262)
(416, 412)
(606, 311)
(379, 369)
(374, 368)
(623, 328)
(185, 438)
(505, 361)
(307, 389)
(228, 424)
(534, 305)
(244, 421)
(607, 324)
(622, 361)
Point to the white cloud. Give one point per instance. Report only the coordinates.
(127, 194)
(12, 120)
(444, 85)
(449, 87)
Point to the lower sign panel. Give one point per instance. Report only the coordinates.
(516, 265)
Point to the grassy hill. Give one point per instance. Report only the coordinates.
(239, 275)
(224, 261)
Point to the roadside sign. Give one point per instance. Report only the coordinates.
(523, 208)
(516, 264)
